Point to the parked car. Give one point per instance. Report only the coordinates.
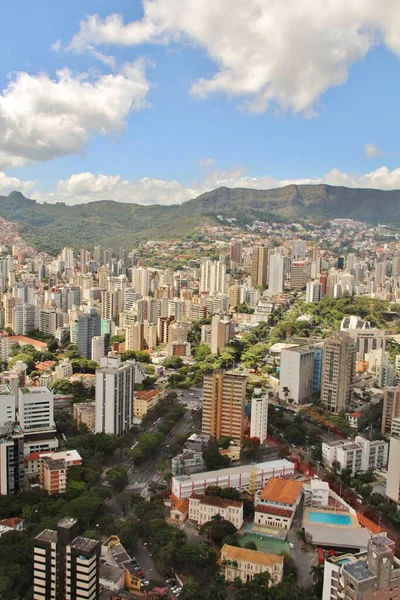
(291, 545)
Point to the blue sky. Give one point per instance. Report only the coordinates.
(186, 99)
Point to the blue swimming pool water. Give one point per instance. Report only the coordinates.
(329, 518)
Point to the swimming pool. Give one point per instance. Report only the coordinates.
(329, 518)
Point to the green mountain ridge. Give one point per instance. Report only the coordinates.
(113, 224)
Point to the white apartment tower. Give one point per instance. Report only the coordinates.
(313, 291)
(259, 415)
(98, 349)
(276, 273)
(115, 381)
(36, 409)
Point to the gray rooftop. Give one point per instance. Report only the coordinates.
(339, 537)
(84, 544)
(359, 570)
(67, 522)
(47, 535)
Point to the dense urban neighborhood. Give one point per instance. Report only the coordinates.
(211, 418)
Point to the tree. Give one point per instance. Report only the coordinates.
(213, 459)
(174, 362)
(317, 573)
(118, 478)
(191, 590)
(250, 545)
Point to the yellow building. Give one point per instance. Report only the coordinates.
(85, 412)
(245, 564)
(223, 405)
(145, 401)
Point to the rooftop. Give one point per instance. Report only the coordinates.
(47, 535)
(281, 490)
(147, 395)
(251, 556)
(359, 570)
(267, 467)
(5, 390)
(67, 522)
(274, 510)
(84, 544)
(217, 501)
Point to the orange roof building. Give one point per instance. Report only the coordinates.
(244, 563)
(281, 492)
(145, 401)
(276, 504)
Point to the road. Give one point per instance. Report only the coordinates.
(147, 472)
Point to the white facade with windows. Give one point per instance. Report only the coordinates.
(36, 409)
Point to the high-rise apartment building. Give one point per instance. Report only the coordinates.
(223, 405)
(313, 291)
(259, 415)
(98, 348)
(393, 475)
(276, 273)
(134, 337)
(259, 266)
(11, 459)
(115, 382)
(236, 252)
(84, 329)
(66, 566)
(212, 276)
(338, 371)
(299, 274)
(111, 304)
(299, 249)
(221, 330)
(296, 374)
(391, 408)
(7, 405)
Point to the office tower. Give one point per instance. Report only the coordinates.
(7, 405)
(35, 409)
(386, 376)
(313, 291)
(299, 274)
(223, 405)
(212, 276)
(98, 349)
(371, 573)
(259, 266)
(66, 566)
(123, 255)
(296, 374)
(235, 252)
(97, 254)
(340, 263)
(338, 371)
(84, 329)
(298, 249)
(11, 459)
(221, 332)
(134, 337)
(391, 408)
(259, 415)
(276, 273)
(115, 381)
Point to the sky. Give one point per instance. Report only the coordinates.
(158, 101)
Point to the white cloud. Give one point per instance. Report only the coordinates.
(41, 117)
(11, 184)
(207, 162)
(56, 47)
(86, 187)
(287, 52)
(372, 151)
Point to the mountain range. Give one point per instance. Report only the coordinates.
(50, 227)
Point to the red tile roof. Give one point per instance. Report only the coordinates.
(147, 395)
(273, 510)
(11, 522)
(217, 501)
(281, 490)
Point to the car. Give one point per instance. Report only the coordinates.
(291, 545)
(136, 567)
(145, 582)
(140, 572)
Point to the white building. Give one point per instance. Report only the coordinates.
(36, 409)
(204, 508)
(212, 277)
(63, 370)
(98, 348)
(183, 486)
(7, 405)
(115, 381)
(313, 291)
(276, 273)
(259, 415)
(359, 455)
(296, 374)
